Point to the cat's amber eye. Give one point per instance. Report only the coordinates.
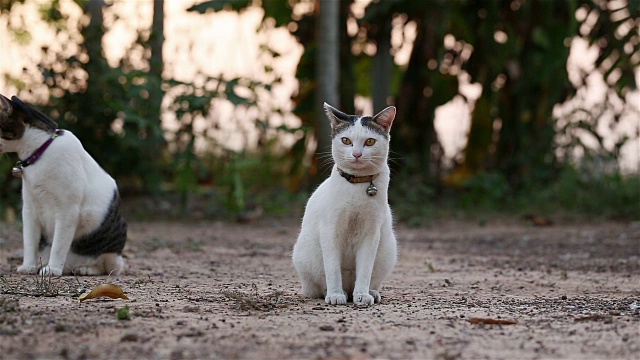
(370, 142)
(346, 141)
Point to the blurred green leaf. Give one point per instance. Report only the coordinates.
(540, 38)
(219, 5)
(279, 10)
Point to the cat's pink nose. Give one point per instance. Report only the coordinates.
(357, 155)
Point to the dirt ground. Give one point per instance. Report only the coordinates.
(223, 290)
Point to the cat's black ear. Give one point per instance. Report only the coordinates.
(5, 106)
(385, 117)
(34, 117)
(336, 116)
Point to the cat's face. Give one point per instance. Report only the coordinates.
(16, 117)
(360, 144)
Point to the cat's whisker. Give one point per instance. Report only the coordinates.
(396, 161)
(323, 153)
(322, 167)
(324, 160)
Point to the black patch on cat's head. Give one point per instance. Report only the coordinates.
(369, 123)
(380, 123)
(339, 120)
(11, 124)
(16, 114)
(32, 116)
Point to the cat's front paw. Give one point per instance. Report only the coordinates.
(27, 269)
(336, 299)
(363, 300)
(48, 270)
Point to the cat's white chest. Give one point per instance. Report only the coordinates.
(353, 214)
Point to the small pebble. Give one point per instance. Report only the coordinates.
(326, 328)
(130, 336)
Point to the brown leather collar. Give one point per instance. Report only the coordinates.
(354, 179)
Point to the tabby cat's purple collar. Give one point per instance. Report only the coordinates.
(354, 179)
(18, 169)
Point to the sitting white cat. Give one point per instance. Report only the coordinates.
(71, 206)
(346, 244)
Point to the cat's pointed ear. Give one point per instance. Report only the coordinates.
(385, 117)
(335, 116)
(5, 106)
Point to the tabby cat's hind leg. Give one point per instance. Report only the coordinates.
(105, 264)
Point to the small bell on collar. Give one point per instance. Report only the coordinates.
(372, 190)
(17, 171)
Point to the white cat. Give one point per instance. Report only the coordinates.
(346, 244)
(70, 204)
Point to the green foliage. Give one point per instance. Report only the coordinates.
(107, 108)
(516, 50)
(10, 189)
(413, 201)
(258, 181)
(574, 193)
(219, 5)
(579, 193)
(485, 191)
(278, 10)
(614, 35)
(195, 102)
(113, 116)
(363, 69)
(6, 5)
(112, 120)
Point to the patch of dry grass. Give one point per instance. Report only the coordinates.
(254, 300)
(40, 285)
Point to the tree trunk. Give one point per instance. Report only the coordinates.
(327, 69)
(93, 37)
(96, 88)
(415, 131)
(156, 62)
(347, 78)
(382, 67)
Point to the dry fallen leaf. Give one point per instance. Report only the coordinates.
(109, 290)
(538, 220)
(489, 321)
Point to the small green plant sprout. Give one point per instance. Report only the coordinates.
(123, 313)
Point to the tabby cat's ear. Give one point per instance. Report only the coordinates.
(11, 124)
(34, 117)
(385, 118)
(337, 117)
(5, 106)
